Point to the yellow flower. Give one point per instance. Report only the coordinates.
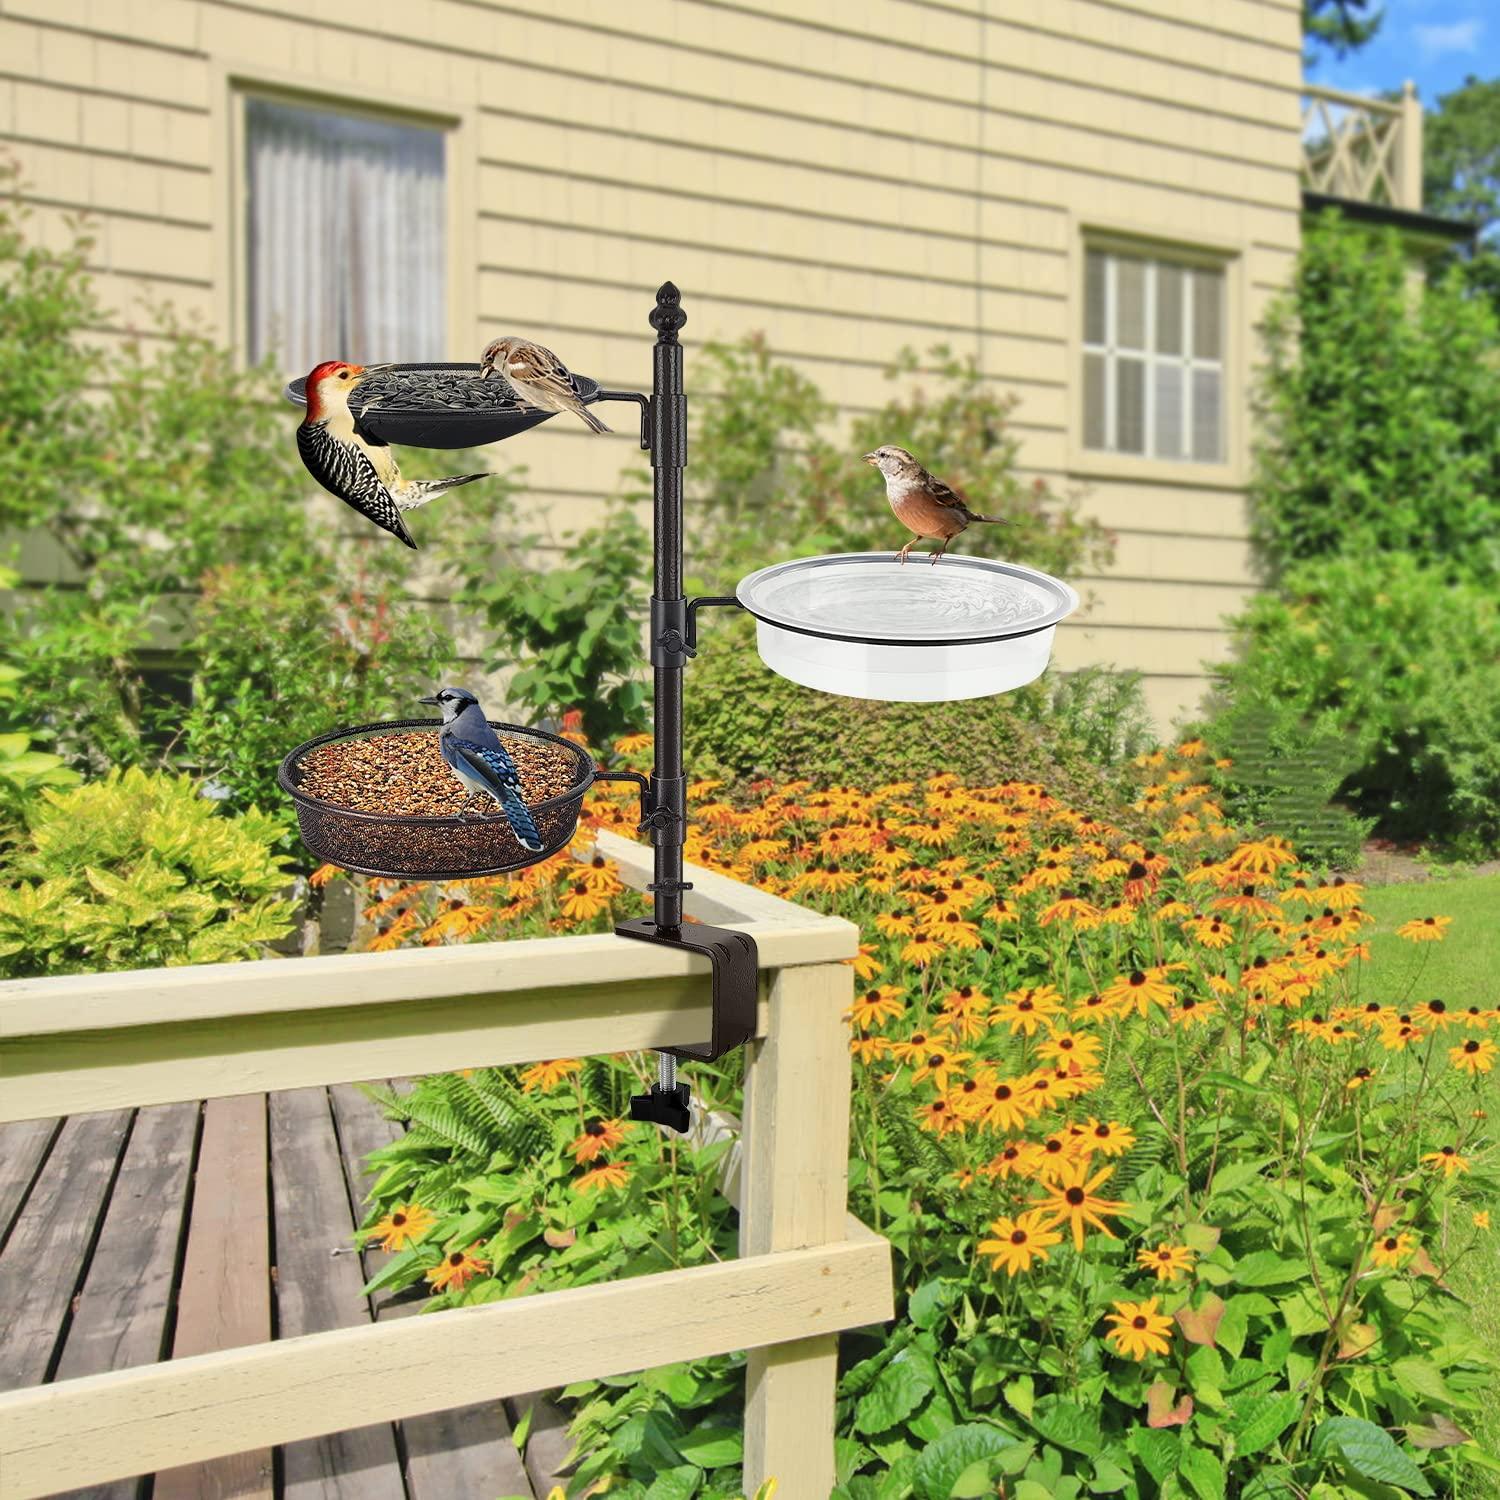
(1167, 1261)
(582, 902)
(868, 1048)
(631, 743)
(612, 1175)
(1391, 1249)
(1481, 1218)
(1020, 1241)
(1139, 1329)
(456, 1269)
(1136, 990)
(863, 963)
(1424, 929)
(1025, 1009)
(404, 1225)
(937, 1064)
(598, 1137)
(1473, 1056)
(1109, 1138)
(547, 1075)
(876, 1005)
(1358, 1079)
(940, 1117)
(1072, 1198)
(1446, 1159)
(1071, 1046)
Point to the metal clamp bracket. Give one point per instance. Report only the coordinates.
(736, 983)
(708, 601)
(645, 405)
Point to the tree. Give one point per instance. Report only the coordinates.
(1461, 154)
(1339, 26)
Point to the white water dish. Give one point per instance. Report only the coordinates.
(863, 625)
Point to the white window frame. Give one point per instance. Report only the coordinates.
(1150, 358)
(457, 118)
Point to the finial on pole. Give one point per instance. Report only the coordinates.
(667, 316)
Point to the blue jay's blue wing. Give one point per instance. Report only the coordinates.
(491, 765)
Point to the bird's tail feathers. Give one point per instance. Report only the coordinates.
(594, 424)
(993, 520)
(420, 491)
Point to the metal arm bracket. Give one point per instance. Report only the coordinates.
(645, 404)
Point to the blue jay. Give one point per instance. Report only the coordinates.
(475, 755)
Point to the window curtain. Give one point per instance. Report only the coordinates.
(347, 227)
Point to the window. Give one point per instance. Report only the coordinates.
(346, 237)
(1153, 358)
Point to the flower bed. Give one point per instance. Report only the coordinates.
(1174, 1203)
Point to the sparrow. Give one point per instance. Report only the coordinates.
(350, 461)
(538, 377)
(924, 505)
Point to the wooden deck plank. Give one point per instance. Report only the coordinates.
(225, 1298)
(317, 1291)
(23, 1149)
(468, 1452)
(122, 1315)
(48, 1249)
(547, 1447)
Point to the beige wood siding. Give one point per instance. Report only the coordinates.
(849, 179)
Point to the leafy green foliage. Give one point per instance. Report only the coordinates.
(186, 527)
(1461, 153)
(1339, 26)
(1381, 412)
(743, 720)
(1379, 672)
(134, 871)
(573, 632)
(764, 461)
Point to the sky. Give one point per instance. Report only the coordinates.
(1435, 43)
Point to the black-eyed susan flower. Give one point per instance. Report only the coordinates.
(1072, 1200)
(404, 1225)
(456, 1269)
(864, 963)
(1189, 1011)
(1448, 1160)
(1136, 991)
(1080, 1047)
(1424, 929)
(873, 1006)
(1139, 1329)
(940, 1118)
(1025, 1009)
(939, 1064)
(1167, 1262)
(1481, 1218)
(1391, 1249)
(868, 1048)
(1473, 1056)
(610, 1176)
(1016, 1243)
(1109, 1137)
(1358, 1079)
(547, 1075)
(1434, 1015)
(597, 1137)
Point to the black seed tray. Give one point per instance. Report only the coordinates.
(411, 848)
(442, 405)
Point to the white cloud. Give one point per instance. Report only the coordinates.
(1437, 41)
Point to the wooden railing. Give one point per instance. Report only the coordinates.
(1364, 150)
(806, 1269)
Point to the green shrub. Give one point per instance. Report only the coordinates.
(134, 871)
(1400, 662)
(742, 720)
(1381, 410)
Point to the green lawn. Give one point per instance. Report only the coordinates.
(1464, 970)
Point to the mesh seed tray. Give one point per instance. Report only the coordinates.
(431, 425)
(431, 848)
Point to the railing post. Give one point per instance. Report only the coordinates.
(796, 1167)
(1411, 149)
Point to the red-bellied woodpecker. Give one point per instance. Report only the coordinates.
(350, 461)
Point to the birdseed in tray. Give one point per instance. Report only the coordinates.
(403, 775)
(411, 388)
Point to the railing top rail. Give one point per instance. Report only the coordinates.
(1352, 101)
(786, 935)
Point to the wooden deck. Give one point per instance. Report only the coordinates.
(138, 1235)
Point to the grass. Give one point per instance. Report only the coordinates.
(1464, 969)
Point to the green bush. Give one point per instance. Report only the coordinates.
(1400, 662)
(742, 721)
(1381, 411)
(134, 871)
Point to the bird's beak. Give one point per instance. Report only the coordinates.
(486, 369)
(432, 701)
(376, 369)
(870, 458)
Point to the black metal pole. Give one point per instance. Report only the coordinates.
(668, 606)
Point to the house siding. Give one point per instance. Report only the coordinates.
(848, 179)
